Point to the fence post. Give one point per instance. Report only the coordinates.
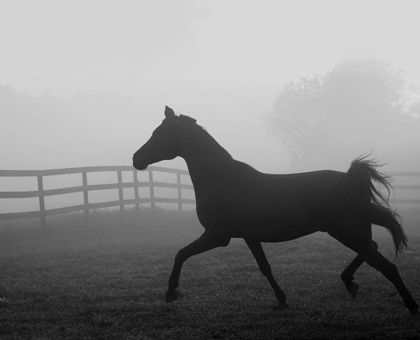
(41, 201)
(136, 190)
(152, 190)
(120, 192)
(178, 180)
(85, 196)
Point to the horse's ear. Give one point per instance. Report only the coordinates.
(169, 112)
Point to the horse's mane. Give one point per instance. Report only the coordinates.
(187, 118)
(193, 121)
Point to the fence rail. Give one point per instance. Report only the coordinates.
(85, 188)
(404, 187)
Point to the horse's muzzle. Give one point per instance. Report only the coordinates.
(139, 165)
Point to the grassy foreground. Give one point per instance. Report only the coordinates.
(107, 281)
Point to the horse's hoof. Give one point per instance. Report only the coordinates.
(352, 288)
(171, 296)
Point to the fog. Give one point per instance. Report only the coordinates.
(90, 79)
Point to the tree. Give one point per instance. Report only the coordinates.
(356, 108)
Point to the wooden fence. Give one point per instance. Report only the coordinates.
(405, 187)
(85, 188)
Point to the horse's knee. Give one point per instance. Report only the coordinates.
(180, 257)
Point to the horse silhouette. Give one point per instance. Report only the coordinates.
(233, 200)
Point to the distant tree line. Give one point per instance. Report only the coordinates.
(358, 107)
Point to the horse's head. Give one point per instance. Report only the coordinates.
(165, 141)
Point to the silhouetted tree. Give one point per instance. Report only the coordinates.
(357, 107)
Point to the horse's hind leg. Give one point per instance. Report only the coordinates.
(258, 252)
(390, 271)
(347, 274)
(359, 239)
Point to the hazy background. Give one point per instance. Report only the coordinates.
(87, 81)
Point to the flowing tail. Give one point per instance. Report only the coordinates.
(362, 174)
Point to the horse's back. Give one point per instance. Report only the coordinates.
(309, 190)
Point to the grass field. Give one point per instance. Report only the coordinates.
(108, 280)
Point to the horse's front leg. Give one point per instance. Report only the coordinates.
(205, 242)
(258, 252)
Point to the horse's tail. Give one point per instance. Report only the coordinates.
(362, 174)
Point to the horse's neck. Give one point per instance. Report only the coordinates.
(206, 160)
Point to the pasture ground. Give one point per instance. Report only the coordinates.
(107, 281)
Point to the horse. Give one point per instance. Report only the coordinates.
(233, 200)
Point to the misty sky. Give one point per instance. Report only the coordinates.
(222, 62)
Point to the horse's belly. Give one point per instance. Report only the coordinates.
(280, 229)
(282, 233)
